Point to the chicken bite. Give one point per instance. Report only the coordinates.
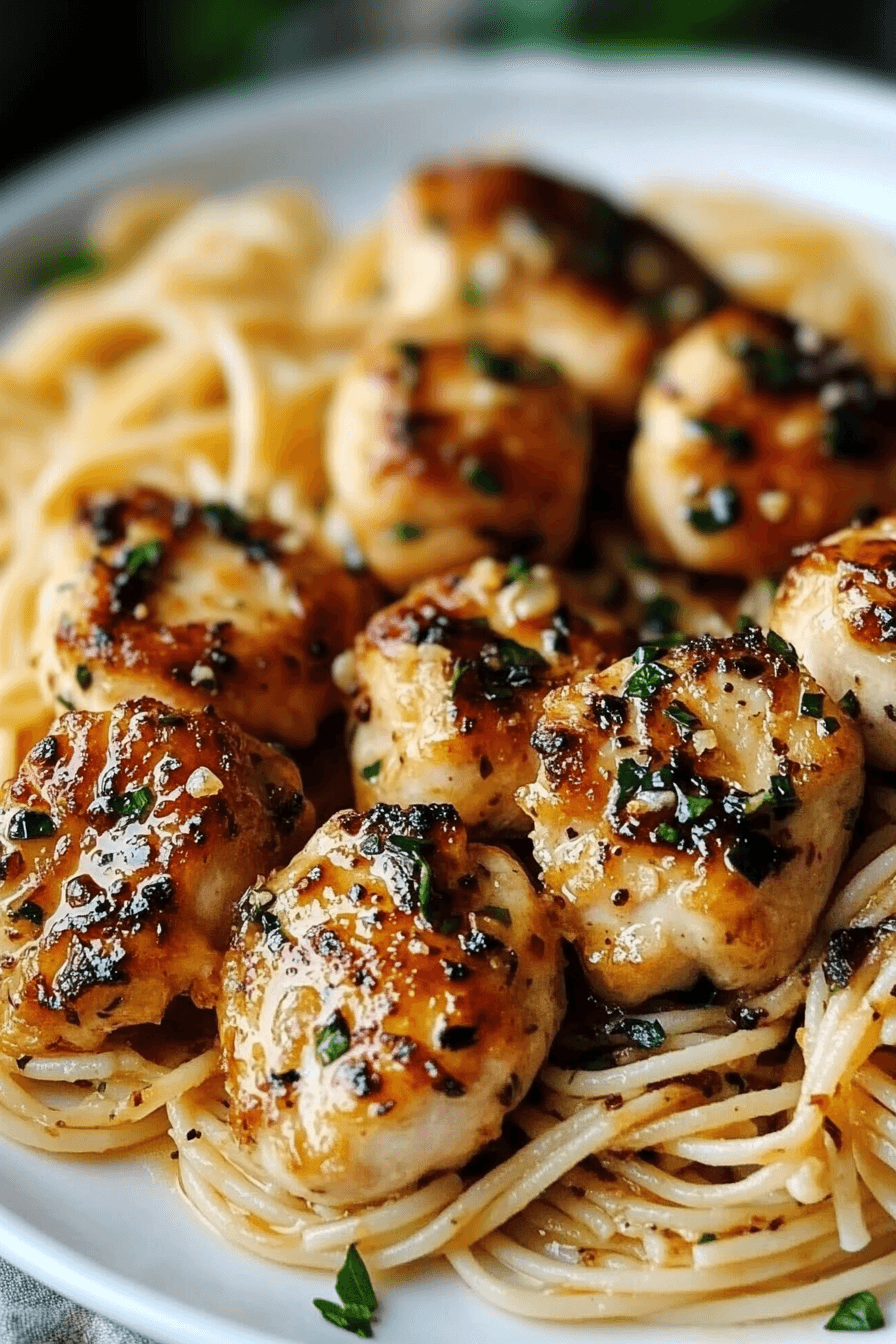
(387, 998)
(757, 435)
(126, 840)
(692, 809)
(442, 450)
(448, 684)
(557, 267)
(837, 606)
(196, 604)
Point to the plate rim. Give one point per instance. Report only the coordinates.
(107, 156)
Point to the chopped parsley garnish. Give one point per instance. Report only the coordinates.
(354, 1311)
(830, 725)
(746, 623)
(682, 716)
(414, 848)
(461, 667)
(518, 570)
(668, 833)
(732, 438)
(629, 777)
(647, 679)
(27, 825)
(498, 912)
(481, 478)
(647, 1035)
(473, 295)
(780, 646)
(407, 531)
(371, 771)
(781, 796)
(66, 704)
(697, 805)
(146, 556)
(510, 368)
(861, 1311)
(846, 434)
(511, 654)
(720, 510)
(332, 1039)
(135, 803)
(772, 368)
(849, 703)
(706, 1238)
(811, 704)
(660, 615)
(73, 263)
(84, 677)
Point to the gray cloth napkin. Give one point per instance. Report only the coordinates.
(31, 1313)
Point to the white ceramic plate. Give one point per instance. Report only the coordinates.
(113, 1233)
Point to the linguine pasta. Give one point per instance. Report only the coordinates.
(749, 1161)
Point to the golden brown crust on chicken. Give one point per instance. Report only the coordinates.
(197, 604)
(126, 840)
(387, 998)
(558, 267)
(756, 435)
(693, 809)
(450, 680)
(442, 450)
(837, 606)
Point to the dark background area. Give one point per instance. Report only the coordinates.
(68, 66)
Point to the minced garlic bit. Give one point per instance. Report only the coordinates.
(704, 740)
(521, 237)
(773, 504)
(529, 598)
(345, 673)
(203, 783)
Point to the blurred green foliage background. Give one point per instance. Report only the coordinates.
(69, 65)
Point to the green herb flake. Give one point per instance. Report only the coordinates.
(510, 368)
(772, 368)
(480, 477)
(146, 556)
(28, 825)
(472, 295)
(682, 716)
(697, 805)
(707, 1238)
(661, 613)
(414, 848)
(646, 680)
(721, 510)
(861, 1311)
(668, 833)
(811, 704)
(647, 1035)
(829, 726)
(781, 796)
(407, 532)
(372, 770)
(512, 654)
(332, 1039)
(736, 442)
(754, 856)
(84, 677)
(745, 623)
(29, 910)
(66, 704)
(358, 1300)
(75, 262)
(450, 924)
(629, 777)
(780, 646)
(518, 570)
(461, 667)
(849, 703)
(498, 912)
(135, 803)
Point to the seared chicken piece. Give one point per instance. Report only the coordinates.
(443, 451)
(449, 682)
(126, 840)
(837, 606)
(198, 605)
(757, 435)
(387, 998)
(692, 809)
(556, 267)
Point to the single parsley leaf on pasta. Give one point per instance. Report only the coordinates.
(358, 1298)
(859, 1312)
